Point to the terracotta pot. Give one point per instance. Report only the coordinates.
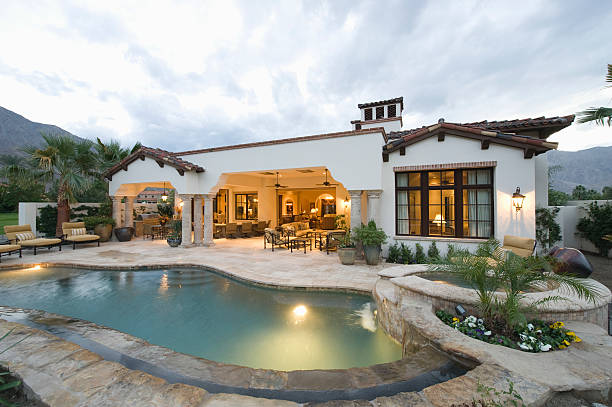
(347, 255)
(372, 254)
(124, 234)
(103, 230)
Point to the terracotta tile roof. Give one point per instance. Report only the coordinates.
(529, 144)
(162, 157)
(382, 102)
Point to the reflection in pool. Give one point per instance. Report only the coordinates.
(207, 315)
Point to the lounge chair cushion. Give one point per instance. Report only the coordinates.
(521, 246)
(41, 241)
(78, 231)
(25, 236)
(11, 231)
(5, 248)
(82, 238)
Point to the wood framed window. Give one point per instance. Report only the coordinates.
(446, 203)
(391, 111)
(367, 114)
(246, 206)
(380, 112)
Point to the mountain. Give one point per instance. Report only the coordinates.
(16, 131)
(591, 167)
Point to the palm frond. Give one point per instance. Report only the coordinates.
(599, 115)
(609, 75)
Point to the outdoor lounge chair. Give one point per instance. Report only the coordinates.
(231, 230)
(7, 249)
(75, 232)
(521, 246)
(275, 238)
(23, 236)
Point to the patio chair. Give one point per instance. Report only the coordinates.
(75, 232)
(7, 249)
(275, 238)
(332, 240)
(23, 236)
(247, 229)
(260, 227)
(521, 246)
(231, 230)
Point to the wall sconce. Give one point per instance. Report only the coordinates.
(346, 202)
(517, 199)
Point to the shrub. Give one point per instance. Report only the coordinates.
(92, 221)
(548, 231)
(406, 254)
(557, 198)
(596, 225)
(394, 254)
(370, 234)
(46, 221)
(176, 229)
(419, 256)
(433, 253)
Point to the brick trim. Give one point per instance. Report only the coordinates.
(448, 166)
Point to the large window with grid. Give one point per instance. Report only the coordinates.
(449, 203)
(246, 206)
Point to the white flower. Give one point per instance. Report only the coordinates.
(539, 331)
(545, 348)
(530, 327)
(471, 325)
(480, 321)
(532, 339)
(471, 319)
(488, 333)
(524, 346)
(523, 337)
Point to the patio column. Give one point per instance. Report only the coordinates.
(373, 205)
(129, 211)
(355, 208)
(116, 210)
(197, 220)
(208, 219)
(186, 219)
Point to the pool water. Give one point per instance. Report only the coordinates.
(205, 314)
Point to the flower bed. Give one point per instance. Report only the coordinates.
(536, 336)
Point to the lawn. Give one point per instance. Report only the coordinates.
(7, 219)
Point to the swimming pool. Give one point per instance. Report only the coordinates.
(211, 316)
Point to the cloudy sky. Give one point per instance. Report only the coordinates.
(181, 75)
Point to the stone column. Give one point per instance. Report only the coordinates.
(129, 211)
(355, 208)
(197, 220)
(186, 219)
(208, 220)
(116, 212)
(374, 205)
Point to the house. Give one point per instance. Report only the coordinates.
(446, 182)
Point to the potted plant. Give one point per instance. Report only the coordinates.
(101, 225)
(174, 236)
(371, 237)
(346, 249)
(165, 211)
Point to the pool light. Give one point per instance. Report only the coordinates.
(300, 311)
(36, 267)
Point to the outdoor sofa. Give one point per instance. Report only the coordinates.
(8, 249)
(23, 236)
(75, 232)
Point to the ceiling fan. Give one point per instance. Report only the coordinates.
(326, 182)
(277, 185)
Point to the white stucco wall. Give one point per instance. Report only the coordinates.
(512, 170)
(541, 180)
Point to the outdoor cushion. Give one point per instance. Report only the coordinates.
(521, 246)
(79, 231)
(5, 248)
(41, 241)
(21, 236)
(11, 230)
(82, 238)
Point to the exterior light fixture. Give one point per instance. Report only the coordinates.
(517, 199)
(164, 196)
(300, 311)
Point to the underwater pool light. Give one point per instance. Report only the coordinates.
(300, 311)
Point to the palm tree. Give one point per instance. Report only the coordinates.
(69, 162)
(599, 115)
(109, 154)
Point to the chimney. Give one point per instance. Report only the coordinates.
(384, 113)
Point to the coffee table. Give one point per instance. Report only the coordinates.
(295, 243)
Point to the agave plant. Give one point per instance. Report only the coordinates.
(502, 280)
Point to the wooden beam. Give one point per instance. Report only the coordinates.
(402, 150)
(160, 163)
(441, 136)
(484, 144)
(528, 153)
(385, 157)
(142, 157)
(180, 171)
(124, 167)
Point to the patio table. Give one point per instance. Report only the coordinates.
(295, 243)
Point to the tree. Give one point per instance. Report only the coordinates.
(606, 192)
(557, 198)
(596, 225)
(600, 115)
(70, 164)
(582, 194)
(22, 182)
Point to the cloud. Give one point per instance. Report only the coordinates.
(195, 74)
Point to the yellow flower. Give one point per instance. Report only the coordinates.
(570, 333)
(566, 342)
(562, 346)
(455, 319)
(577, 339)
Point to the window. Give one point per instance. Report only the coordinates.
(246, 206)
(380, 112)
(450, 203)
(367, 114)
(391, 111)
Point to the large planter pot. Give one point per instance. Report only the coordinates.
(174, 242)
(104, 230)
(347, 255)
(372, 254)
(124, 234)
